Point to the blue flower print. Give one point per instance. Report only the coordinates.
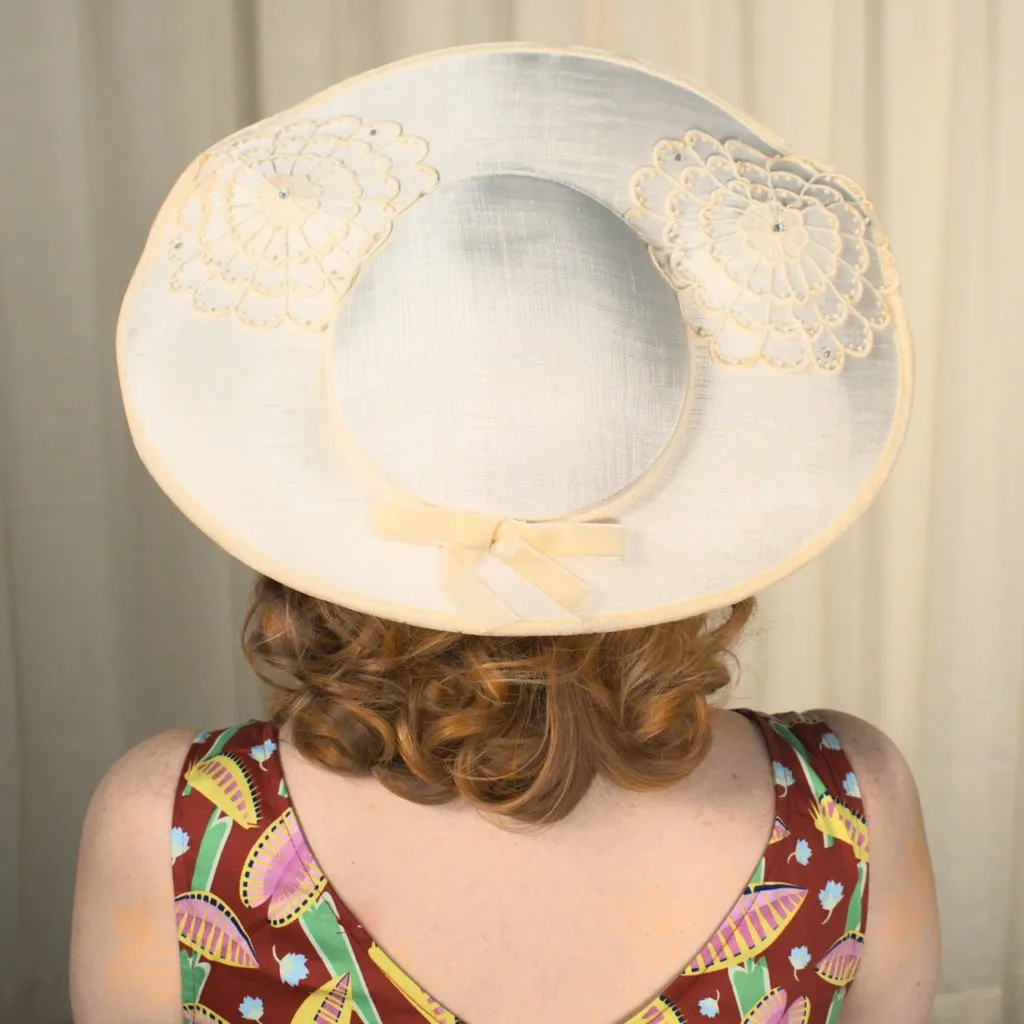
(709, 1007)
(782, 775)
(202, 737)
(850, 786)
(801, 853)
(831, 741)
(180, 841)
(830, 896)
(251, 1008)
(262, 751)
(799, 957)
(292, 967)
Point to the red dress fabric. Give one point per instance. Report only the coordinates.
(265, 937)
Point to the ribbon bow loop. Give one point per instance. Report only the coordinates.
(528, 548)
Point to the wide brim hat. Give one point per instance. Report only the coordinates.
(516, 339)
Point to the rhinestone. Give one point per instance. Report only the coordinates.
(282, 193)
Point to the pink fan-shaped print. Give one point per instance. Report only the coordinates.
(772, 1009)
(281, 871)
(839, 965)
(209, 926)
(758, 917)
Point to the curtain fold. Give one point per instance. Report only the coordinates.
(11, 758)
(118, 619)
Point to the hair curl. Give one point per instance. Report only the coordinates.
(516, 726)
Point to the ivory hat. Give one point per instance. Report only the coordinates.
(520, 340)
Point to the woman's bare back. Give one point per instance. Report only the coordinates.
(582, 923)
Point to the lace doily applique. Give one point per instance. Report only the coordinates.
(283, 215)
(776, 259)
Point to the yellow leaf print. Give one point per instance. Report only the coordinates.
(426, 1004)
(660, 1011)
(282, 872)
(753, 924)
(331, 1003)
(196, 1013)
(832, 818)
(225, 781)
(839, 964)
(209, 926)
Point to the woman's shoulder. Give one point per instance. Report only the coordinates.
(138, 788)
(835, 740)
(899, 972)
(875, 755)
(124, 941)
(136, 795)
(149, 762)
(141, 783)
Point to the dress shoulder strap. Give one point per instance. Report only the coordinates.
(829, 775)
(819, 797)
(229, 778)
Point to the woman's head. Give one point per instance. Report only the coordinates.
(516, 726)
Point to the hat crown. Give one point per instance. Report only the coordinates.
(513, 351)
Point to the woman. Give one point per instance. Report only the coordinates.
(515, 372)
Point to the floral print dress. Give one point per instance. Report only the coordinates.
(265, 937)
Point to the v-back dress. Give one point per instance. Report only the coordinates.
(264, 936)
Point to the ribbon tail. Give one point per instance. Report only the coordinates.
(546, 574)
(461, 585)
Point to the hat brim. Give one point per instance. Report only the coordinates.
(251, 451)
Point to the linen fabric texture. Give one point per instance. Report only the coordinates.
(527, 285)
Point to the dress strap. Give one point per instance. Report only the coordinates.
(229, 778)
(818, 796)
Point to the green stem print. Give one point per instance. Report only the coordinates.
(193, 970)
(194, 973)
(854, 912)
(803, 756)
(214, 839)
(329, 939)
(218, 745)
(749, 979)
(758, 876)
(750, 983)
(835, 1006)
(818, 788)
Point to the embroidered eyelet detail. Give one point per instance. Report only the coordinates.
(283, 215)
(776, 259)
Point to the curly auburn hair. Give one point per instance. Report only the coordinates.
(516, 726)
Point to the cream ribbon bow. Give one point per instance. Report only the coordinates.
(526, 547)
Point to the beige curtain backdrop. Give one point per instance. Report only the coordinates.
(118, 619)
